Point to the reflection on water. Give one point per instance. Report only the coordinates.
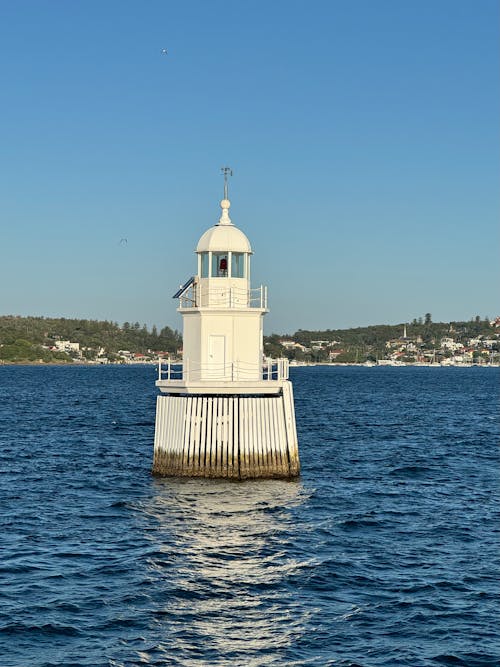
(222, 559)
(395, 556)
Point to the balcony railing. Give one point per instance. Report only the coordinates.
(238, 371)
(223, 297)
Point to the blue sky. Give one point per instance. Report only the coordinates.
(363, 135)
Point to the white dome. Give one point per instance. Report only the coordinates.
(224, 238)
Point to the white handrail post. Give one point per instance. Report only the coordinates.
(168, 369)
(159, 368)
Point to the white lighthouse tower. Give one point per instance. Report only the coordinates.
(225, 411)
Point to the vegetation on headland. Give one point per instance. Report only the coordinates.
(417, 341)
(62, 340)
(21, 350)
(35, 339)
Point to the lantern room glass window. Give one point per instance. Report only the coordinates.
(237, 265)
(219, 265)
(204, 265)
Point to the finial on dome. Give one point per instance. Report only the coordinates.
(227, 171)
(225, 219)
(225, 203)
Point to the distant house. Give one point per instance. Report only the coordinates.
(287, 344)
(67, 346)
(292, 345)
(319, 344)
(450, 344)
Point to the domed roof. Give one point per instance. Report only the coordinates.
(224, 236)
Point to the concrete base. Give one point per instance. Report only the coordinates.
(238, 437)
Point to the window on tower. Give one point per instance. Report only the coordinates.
(219, 265)
(204, 264)
(237, 265)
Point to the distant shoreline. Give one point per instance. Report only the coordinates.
(301, 365)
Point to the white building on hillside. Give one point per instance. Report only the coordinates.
(67, 346)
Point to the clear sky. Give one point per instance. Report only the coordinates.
(363, 135)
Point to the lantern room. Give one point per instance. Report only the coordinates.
(224, 250)
(223, 262)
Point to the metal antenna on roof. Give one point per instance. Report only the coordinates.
(227, 171)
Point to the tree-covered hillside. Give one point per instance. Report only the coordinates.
(362, 343)
(34, 339)
(379, 333)
(27, 338)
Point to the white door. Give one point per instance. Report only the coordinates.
(217, 357)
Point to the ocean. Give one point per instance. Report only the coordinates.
(384, 553)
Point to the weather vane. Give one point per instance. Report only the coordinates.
(227, 171)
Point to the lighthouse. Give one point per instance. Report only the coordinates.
(226, 411)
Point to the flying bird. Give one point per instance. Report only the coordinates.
(164, 51)
(123, 242)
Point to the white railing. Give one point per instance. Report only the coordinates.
(223, 297)
(238, 371)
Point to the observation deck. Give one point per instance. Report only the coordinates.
(233, 378)
(194, 295)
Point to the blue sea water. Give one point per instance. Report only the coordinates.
(384, 553)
